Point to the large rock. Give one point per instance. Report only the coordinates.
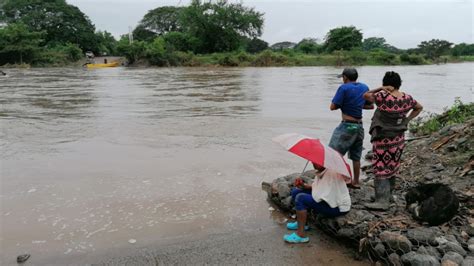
(449, 263)
(394, 259)
(396, 242)
(283, 189)
(452, 256)
(380, 250)
(470, 244)
(416, 259)
(468, 261)
(429, 250)
(423, 236)
(448, 246)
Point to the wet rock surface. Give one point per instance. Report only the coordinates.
(394, 237)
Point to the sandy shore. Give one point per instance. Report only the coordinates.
(261, 247)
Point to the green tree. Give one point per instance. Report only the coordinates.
(133, 52)
(161, 20)
(372, 43)
(62, 22)
(156, 52)
(221, 26)
(463, 49)
(256, 45)
(343, 38)
(283, 45)
(308, 46)
(140, 33)
(19, 44)
(181, 41)
(107, 44)
(434, 48)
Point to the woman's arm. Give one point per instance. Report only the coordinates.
(370, 97)
(415, 112)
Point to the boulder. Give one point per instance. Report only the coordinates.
(287, 203)
(423, 235)
(380, 250)
(448, 246)
(396, 242)
(415, 259)
(394, 259)
(429, 250)
(283, 190)
(468, 261)
(449, 263)
(470, 244)
(452, 256)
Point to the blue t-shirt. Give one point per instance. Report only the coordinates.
(350, 98)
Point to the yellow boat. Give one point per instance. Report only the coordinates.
(112, 64)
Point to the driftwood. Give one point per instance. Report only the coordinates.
(443, 142)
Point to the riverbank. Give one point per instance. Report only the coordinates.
(268, 58)
(258, 246)
(393, 237)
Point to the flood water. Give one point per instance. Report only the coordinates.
(93, 158)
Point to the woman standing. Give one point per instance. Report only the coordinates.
(394, 111)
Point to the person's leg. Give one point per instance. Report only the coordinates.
(303, 202)
(323, 208)
(356, 166)
(296, 191)
(301, 217)
(340, 139)
(355, 153)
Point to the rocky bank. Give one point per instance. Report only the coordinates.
(393, 237)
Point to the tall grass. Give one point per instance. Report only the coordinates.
(458, 113)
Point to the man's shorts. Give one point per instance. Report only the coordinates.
(348, 137)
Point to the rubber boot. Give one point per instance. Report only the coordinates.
(392, 184)
(392, 188)
(382, 195)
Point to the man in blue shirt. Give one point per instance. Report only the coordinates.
(349, 135)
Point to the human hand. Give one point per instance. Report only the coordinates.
(388, 88)
(299, 182)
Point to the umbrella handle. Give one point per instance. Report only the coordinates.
(307, 162)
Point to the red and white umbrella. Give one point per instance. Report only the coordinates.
(315, 151)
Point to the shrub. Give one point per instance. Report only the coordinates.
(70, 50)
(132, 52)
(412, 59)
(156, 52)
(228, 59)
(458, 113)
(382, 57)
(269, 58)
(357, 57)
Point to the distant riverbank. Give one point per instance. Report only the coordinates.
(269, 58)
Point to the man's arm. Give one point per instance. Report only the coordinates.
(333, 107)
(368, 105)
(337, 100)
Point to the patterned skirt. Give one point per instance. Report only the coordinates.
(387, 154)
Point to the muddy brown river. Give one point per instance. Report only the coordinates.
(95, 161)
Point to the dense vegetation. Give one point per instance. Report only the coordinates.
(458, 113)
(48, 32)
(52, 32)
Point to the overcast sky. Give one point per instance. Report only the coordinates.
(403, 23)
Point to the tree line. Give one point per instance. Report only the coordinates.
(48, 32)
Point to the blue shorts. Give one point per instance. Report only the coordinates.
(304, 200)
(348, 137)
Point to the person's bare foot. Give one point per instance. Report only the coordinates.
(353, 186)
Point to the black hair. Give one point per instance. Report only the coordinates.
(393, 79)
(352, 76)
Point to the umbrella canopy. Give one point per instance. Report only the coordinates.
(314, 151)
